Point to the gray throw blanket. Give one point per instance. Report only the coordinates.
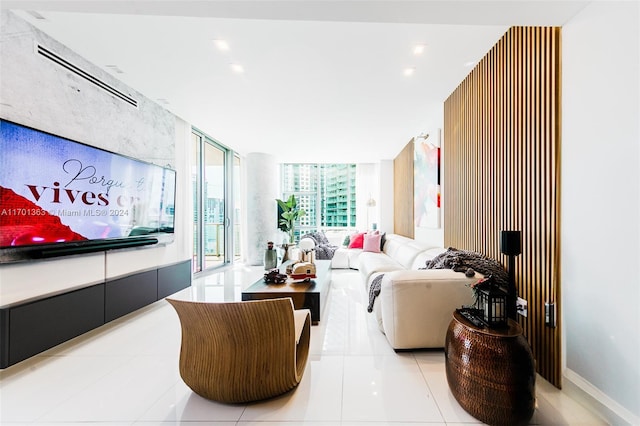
(324, 250)
(374, 291)
(460, 261)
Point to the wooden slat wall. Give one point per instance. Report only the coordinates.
(502, 145)
(403, 192)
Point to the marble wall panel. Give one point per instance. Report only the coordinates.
(39, 93)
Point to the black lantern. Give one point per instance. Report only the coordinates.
(492, 301)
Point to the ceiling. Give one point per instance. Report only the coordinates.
(323, 81)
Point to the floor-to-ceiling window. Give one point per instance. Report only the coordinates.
(213, 211)
(216, 203)
(326, 192)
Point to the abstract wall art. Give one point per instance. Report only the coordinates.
(426, 182)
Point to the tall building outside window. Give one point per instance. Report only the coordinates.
(326, 192)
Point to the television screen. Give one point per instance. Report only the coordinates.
(58, 196)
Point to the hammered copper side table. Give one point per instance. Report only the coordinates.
(491, 372)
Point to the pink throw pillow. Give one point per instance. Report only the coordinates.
(372, 243)
(357, 240)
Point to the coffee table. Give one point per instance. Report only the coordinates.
(310, 295)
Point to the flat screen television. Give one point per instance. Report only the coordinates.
(61, 197)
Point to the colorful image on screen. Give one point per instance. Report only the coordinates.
(54, 190)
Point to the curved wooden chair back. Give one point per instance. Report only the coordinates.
(241, 351)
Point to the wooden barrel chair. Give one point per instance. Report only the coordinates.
(242, 351)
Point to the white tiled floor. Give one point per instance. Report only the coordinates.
(127, 373)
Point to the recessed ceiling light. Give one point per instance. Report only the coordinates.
(221, 44)
(419, 49)
(237, 68)
(409, 71)
(469, 63)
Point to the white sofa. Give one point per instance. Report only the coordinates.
(346, 258)
(415, 306)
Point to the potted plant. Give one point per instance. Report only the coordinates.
(291, 212)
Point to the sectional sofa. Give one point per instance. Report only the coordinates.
(414, 306)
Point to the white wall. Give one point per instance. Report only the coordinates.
(385, 197)
(40, 94)
(367, 186)
(600, 207)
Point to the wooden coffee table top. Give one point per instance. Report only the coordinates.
(315, 285)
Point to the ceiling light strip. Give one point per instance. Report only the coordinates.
(80, 72)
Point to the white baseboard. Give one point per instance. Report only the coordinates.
(583, 391)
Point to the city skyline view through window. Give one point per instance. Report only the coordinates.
(326, 192)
